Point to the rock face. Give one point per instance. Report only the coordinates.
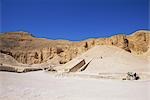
(27, 49)
(139, 42)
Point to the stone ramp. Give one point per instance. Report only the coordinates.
(72, 66)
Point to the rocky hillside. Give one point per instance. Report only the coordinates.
(27, 49)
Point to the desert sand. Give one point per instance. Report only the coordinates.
(44, 86)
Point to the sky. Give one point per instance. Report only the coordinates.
(74, 19)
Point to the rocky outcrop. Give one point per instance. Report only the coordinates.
(30, 50)
(131, 76)
(139, 42)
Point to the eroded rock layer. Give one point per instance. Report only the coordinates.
(27, 49)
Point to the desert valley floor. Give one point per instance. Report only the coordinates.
(43, 86)
(114, 68)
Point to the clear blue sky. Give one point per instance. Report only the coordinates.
(74, 19)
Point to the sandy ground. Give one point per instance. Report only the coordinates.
(44, 86)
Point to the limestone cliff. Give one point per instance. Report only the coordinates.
(27, 49)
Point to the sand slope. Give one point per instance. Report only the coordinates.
(6, 59)
(110, 59)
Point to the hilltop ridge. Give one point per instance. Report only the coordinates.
(27, 49)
